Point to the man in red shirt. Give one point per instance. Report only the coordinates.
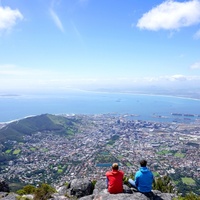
(115, 180)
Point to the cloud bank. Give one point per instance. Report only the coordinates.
(15, 78)
(171, 15)
(9, 18)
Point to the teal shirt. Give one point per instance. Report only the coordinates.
(144, 179)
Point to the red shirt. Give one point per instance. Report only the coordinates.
(115, 181)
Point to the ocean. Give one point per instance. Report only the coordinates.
(141, 107)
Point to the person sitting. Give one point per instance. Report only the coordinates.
(115, 180)
(143, 178)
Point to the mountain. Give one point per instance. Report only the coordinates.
(42, 123)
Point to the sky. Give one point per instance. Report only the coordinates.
(56, 45)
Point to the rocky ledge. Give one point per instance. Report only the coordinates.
(83, 189)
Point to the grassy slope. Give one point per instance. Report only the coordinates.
(16, 130)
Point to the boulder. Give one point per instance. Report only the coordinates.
(136, 196)
(100, 193)
(56, 196)
(81, 187)
(28, 196)
(4, 187)
(62, 190)
(8, 196)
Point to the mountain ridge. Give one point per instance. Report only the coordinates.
(46, 122)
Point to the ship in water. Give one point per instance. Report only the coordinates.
(189, 115)
(185, 114)
(177, 114)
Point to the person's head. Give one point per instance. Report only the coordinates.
(143, 163)
(115, 166)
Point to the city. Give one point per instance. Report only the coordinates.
(101, 140)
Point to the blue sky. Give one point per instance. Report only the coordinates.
(49, 45)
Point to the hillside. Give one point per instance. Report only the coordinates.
(43, 123)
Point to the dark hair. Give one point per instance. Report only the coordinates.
(143, 163)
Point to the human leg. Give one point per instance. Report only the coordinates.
(132, 182)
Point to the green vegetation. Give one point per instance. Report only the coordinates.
(16, 151)
(60, 171)
(59, 124)
(113, 139)
(8, 151)
(163, 184)
(185, 183)
(163, 152)
(179, 155)
(189, 196)
(156, 174)
(44, 150)
(128, 164)
(44, 192)
(28, 189)
(32, 149)
(105, 157)
(188, 181)
(120, 157)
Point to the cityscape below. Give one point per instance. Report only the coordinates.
(94, 142)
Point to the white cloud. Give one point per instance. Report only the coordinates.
(8, 18)
(197, 35)
(178, 77)
(15, 78)
(56, 20)
(167, 79)
(171, 15)
(195, 66)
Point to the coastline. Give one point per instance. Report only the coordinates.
(138, 93)
(61, 95)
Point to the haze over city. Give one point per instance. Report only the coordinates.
(49, 46)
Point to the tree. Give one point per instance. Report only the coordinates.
(163, 184)
(44, 192)
(189, 196)
(28, 189)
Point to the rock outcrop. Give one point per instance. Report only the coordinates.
(8, 196)
(4, 187)
(83, 189)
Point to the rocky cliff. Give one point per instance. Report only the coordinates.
(83, 189)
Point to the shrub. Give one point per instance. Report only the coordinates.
(28, 189)
(44, 192)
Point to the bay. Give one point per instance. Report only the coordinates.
(141, 107)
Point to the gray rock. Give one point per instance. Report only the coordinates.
(100, 185)
(56, 196)
(28, 196)
(105, 195)
(4, 187)
(127, 189)
(10, 196)
(135, 196)
(89, 197)
(81, 187)
(62, 190)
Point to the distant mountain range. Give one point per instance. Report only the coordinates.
(59, 124)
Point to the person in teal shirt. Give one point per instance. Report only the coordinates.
(143, 178)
